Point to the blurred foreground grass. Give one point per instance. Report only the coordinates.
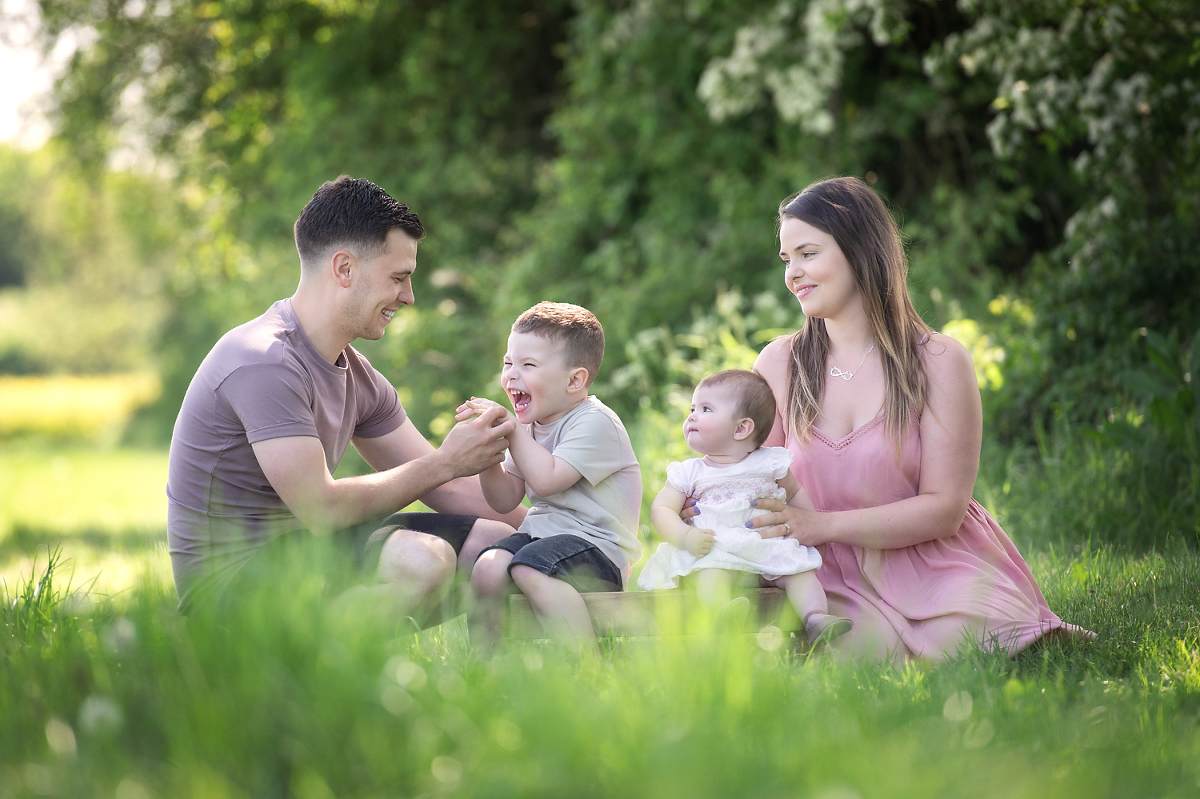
(283, 697)
(109, 693)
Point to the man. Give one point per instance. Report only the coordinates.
(273, 407)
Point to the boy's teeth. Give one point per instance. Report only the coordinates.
(389, 314)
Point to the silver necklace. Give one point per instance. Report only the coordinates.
(836, 372)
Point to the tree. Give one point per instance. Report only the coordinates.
(630, 157)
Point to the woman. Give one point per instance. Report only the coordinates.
(884, 421)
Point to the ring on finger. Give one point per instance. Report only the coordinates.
(787, 528)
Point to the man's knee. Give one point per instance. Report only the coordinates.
(490, 574)
(483, 534)
(422, 561)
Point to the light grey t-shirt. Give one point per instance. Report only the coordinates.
(603, 506)
(262, 380)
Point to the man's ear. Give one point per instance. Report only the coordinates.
(744, 430)
(578, 380)
(344, 267)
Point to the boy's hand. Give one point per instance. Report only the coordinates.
(479, 444)
(698, 541)
(476, 406)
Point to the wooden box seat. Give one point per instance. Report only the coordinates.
(650, 613)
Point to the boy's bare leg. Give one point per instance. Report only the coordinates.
(558, 606)
(490, 587)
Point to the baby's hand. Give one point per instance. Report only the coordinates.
(475, 406)
(698, 541)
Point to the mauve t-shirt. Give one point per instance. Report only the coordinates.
(262, 380)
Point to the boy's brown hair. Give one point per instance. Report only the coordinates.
(575, 329)
(755, 399)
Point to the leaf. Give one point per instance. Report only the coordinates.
(1168, 365)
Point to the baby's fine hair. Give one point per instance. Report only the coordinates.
(574, 328)
(756, 401)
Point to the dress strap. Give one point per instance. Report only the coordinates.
(924, 338)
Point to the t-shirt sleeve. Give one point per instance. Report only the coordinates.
(779, 461)
(681, 478)
(593, 446)
(379, 408)
(270, 401)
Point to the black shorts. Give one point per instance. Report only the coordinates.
(344, 557)
(571, 558)
(365, 541)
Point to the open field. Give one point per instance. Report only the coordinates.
(106, 509)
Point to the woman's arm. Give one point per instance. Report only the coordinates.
(951, 436)
(771, 364)
(797, 497)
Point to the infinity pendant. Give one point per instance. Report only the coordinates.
(836, 372)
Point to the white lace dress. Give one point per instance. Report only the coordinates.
(723, 496)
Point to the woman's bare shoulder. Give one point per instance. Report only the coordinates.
(945, 359)
(953, 389)
(773, 359)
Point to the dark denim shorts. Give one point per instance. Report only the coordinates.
(571, 558)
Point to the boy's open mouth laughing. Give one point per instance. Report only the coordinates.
(520, 400)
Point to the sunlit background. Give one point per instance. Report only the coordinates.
(1046, 183)
(1042, 159)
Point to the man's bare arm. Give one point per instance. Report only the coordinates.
(295, 467)
(546, 474)
(462, 495)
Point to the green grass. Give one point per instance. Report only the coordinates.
(288, 699)
(105, 508)
(110, 693)
(73, 407)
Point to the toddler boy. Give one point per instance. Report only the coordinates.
(571, 455)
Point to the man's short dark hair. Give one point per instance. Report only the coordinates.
(755, 400)
(574, 328)
(352, 212)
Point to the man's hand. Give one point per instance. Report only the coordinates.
(698, 541)
(478, 444)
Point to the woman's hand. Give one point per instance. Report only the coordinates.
(783, 520)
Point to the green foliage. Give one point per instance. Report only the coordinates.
(1042, 158)
(87, 260)
(443, 104)
(662, 196)
(1111, 89)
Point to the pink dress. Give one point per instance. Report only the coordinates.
(922, 601)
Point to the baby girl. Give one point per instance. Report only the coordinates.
(732, 413)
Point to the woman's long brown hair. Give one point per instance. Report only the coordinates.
(851, 212)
